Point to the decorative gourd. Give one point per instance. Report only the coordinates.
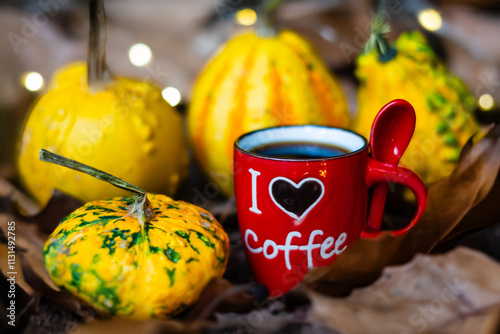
(143, 257)
(410, 70)
(258, 81)
(117, 124)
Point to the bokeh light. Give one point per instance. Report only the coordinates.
(430, 19)
(140, 54)
(246, 17)
(171, 95)
(33, 81)
(486, 102)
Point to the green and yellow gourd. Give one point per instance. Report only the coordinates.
(144, 256)
(260, 78)
(410, 70)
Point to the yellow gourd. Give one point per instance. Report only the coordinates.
(137, 257)
(410, 70)
(127, 129)
(256, 82)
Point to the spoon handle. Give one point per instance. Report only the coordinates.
(377, 206)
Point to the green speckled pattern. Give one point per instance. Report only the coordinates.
(110, 261)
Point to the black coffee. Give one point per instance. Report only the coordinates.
(299, 150)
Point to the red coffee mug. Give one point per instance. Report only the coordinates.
(299, 213)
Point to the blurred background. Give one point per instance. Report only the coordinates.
(168, 42)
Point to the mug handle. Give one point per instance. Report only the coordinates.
(382, 172)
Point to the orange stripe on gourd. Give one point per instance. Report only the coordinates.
(298, 105)
(239, 114)
(323, 95)
(278, 104)
(324, 86)
(223, 105)
(259, 89)
(204, 90)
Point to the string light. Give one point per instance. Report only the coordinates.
(33, 81)
(430, 19)
(171, 95)
(140, 54)
(246, 17)
(486, 102)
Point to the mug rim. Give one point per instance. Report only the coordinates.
(267, 157)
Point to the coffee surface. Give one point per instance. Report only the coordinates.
(300, 150)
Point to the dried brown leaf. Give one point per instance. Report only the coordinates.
(450, 200)
(32, 275)
(23, 202)
(30, 236)
(29, 243)
(220, 296)
(431, 294)
(19, 277)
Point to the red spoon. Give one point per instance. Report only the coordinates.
(390, 135)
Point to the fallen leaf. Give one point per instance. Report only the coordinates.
(32, 275)
(449, 201)
(483, 215)
(221, 296)
(431, 294)
(452, 199)
(29, 241)
(19, 277)
(23, 202)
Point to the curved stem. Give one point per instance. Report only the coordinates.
(97, 70)
(380, 27)
(140, 209)
(377, 39)
(98, 174)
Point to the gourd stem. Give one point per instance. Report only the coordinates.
(382, 45)
(267, 18)
(97, 70)
(377, 39)
(98, 174)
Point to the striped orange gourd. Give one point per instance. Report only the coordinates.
(256, 82)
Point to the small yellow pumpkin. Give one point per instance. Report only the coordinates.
(410, 70)
(256, 82)
(127, 129)
(144, 257)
